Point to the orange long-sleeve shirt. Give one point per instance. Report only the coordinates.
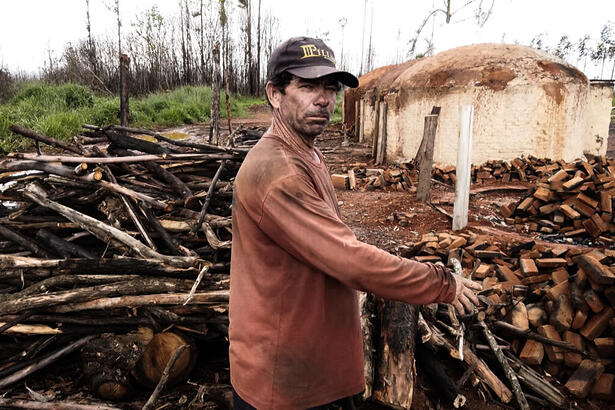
(295, 334)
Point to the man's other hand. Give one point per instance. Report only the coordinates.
(465, 298)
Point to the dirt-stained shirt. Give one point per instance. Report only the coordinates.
(295, 334)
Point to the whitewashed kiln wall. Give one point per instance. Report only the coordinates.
(519, 120)
(368, 117)
(598, 117)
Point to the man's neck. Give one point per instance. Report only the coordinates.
(303, 142)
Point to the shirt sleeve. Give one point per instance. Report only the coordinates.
(298, 220)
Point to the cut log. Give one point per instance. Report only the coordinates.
(156, 355)
(597, 324)
(394, 384)
(106, 233)
(532, 353)
(582, 380)
(108, 359)
(604, 388)
(555, 354)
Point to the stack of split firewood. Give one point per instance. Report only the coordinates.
(115, 234)
(545, 329)
(359, 176)
(576, 200)
(519, 169)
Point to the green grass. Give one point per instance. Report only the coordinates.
(59, 110)
(337, 114)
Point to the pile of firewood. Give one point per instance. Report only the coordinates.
(576, 200)
(545, 328)
(113, 237)
(399, 176)
(519, 169)
(360, 177)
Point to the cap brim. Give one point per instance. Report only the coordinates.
(312, 72)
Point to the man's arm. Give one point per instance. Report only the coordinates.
(298, 220)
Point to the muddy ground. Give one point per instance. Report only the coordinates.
(366, 212)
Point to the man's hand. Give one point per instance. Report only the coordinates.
(465, 298)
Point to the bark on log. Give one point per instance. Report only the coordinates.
(145, 285)
(482, 370)
(532, 379)
(447, 392)
(115, 160)
(26, 243)
(200, 298)
(394, 384)
(63, 248)
(508, 371)
(15, 377)
(108, 360)
(160, 137)
(43, 138)
(125, 265)
(367, 303)
(124, 141)
(54, 405)
(104, 232)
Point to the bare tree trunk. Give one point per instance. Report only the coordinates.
(228, 104)
(188, 45)
(119, 25)
(124, 108)
(214, 130)
(202, 47)
(258, 50)
(249, 62)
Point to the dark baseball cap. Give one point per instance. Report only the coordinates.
(308, 58)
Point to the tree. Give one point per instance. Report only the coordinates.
(538, 42)
(482, 11)
(583, 50)
(563, 48)
(604, 48)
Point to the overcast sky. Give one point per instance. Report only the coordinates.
(30, 28)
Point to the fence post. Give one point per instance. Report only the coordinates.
(424, 157)
(463, 171)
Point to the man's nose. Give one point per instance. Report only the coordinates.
(322, 98)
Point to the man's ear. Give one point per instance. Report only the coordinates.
(273, 95)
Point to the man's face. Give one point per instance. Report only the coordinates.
(306, 105)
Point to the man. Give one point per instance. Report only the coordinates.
(295, 335)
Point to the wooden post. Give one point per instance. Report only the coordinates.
(382, 133)
(464, 162)
(360, 121)
(214, 125)
(375, 129)
(124, 109)
(425, 157)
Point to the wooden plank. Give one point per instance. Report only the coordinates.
(425, 157)
(598, 324)
(555, 354)
(604, 388)
(605, 347)
(528, 267)
(572, 359)
(464, 161)
(595, 270)
(582, 380)
(532, 352)
(382, 133)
